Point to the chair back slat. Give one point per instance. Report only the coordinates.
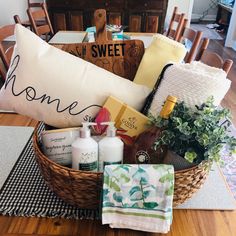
(39, 14)
(171, 34)
(195, 44)
(192, 38)
(34, 4)
(212, 59)
(227, 65)
(44, 29)
(45, 26)
(176, 25)
(202, 48)
(6, 48)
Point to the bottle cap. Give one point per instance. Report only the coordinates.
(172, 98)
(85, 131)
(111, 129)
(168, 106)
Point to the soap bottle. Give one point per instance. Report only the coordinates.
(85, 150)
(110, 147)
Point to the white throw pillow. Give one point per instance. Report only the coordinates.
(58, 88)
(192, 83)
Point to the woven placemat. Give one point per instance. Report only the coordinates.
(12, 143)
(25, 193)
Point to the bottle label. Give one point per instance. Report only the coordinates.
(88, 166)
(142, 157)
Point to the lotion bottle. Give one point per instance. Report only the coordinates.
(110, 147)
(85, 150)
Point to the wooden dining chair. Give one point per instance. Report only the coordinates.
(202, 48)
(212, 58)
(176, 25)
(6, 48)
(37, 15)
(27, 23)
(192, 37)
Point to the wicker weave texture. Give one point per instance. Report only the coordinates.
(83, 189)
(187, 182)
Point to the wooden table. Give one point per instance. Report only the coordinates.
(185, 222)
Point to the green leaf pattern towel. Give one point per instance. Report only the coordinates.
(138, 192)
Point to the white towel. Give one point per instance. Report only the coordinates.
(138, 197)
(192, 83)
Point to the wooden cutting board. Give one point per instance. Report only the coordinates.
(120, 57)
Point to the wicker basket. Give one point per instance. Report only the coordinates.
(83, 189)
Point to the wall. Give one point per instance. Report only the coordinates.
(184, 6)
(9, 8)
(231, 35)
(199, 6)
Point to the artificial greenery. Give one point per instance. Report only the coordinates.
(196, 134)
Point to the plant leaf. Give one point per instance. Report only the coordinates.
(136, 196)
(134, 189)
(114, 186)
(143, 181)
(108, 204)
(117, 197)
(169, 191)
(167, 177)
(146, 193)
(105, 191)
(124, 167)
(150, 205)
(135, 205)
(125, 178)
(106, 179)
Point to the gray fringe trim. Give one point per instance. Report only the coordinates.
(78, 214)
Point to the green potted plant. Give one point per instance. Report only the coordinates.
(196, 135)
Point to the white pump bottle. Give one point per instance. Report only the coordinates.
(110, 148)
(85, 150)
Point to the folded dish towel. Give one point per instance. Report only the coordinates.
(138, 197)
(161, 51)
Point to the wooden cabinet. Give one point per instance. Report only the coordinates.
(138, 15)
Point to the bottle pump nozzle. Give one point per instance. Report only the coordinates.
(111, 129)
(85, 131)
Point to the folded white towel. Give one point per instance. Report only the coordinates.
(138, 197)
(192, 83)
